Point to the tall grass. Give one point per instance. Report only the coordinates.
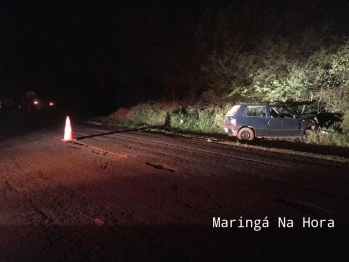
(203, 120)
(145, 114)
(195, 118)
(330, 139)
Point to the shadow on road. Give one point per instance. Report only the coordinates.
(123, 130)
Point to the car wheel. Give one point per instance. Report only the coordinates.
(245, 134)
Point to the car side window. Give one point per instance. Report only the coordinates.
(281, 112)
(256, 111)
(273, 113)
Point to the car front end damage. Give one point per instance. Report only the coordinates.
(309, 122)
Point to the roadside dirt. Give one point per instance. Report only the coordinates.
(128, 195)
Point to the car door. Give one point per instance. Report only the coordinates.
(255, 117)
(282, 122)
(274, 122)
(290, 126)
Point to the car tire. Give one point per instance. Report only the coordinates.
(245, 134)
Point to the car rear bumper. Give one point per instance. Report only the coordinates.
(230, 131)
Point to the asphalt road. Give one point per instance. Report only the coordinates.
(133, 195)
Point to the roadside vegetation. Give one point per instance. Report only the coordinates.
(180, 118)
(205, 120)
(329, 139)
(263, 52)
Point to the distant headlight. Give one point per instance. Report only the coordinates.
(36, 102)
(51, 104)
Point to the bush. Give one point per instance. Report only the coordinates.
(345, 122)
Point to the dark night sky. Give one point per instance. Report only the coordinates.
(53, 45)
(70, 47)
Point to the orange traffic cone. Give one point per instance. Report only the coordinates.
(68, 132)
